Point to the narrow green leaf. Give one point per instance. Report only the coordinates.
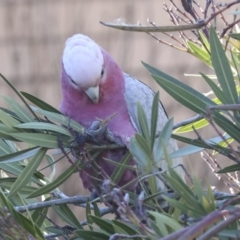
(51, 163)
(69, 217)
(143, 123)
(140, 150)
(228, 126)
(27, 173)
(38, 102)
(211, 143)
(222, 68)
(7, 137)
(189, 127)
(91, 235)
(88, 214)
(224, 144)
(18, 94)
(6, 203)
(4, 132)
(143, 143)
(119, 164)
(96, 209)
(21, 112)
(217, 91)
(103, 224)
(205, 42)
(16, 169)
(13, 168)
(152, 182)
(19, 200)
(53, 229)
(200, 53)
(210, 197)
(44, 126)
(185, 151)
(21, 219)
(11, 113)
(230, 234)
(12, 145)
(61, 214)
(18, 156)
(5, 148)
(199, 193)
(232, 168)
(8, 182)
(179, 205)
(235, 35)
(184, 191)
(181, 92)
(119, 230)
(159, 230)
(119, 170)
(7, 119)
(167, 220)
(165, 136)
(60, 118)
(154, 119)
(40, 139)
(127, 228)
(38, 217)
(59, 180)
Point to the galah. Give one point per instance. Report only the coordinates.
(94, 87)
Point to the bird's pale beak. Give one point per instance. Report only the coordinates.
(93, 93)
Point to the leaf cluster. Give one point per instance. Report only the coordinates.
(31, 135)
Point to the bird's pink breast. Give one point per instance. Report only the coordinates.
(79, 107)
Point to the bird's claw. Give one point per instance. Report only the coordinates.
(96, 129)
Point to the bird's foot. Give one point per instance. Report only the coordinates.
(96, 129)
(110, 136)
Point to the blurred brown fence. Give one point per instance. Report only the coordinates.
(32, 36)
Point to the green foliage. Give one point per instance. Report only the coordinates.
(185, 212)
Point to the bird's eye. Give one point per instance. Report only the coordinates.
(73, 82)
(102, 72)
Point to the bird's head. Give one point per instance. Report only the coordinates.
(83, 62)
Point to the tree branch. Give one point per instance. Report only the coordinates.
(76, 200)
(136, 28)
(188, 121)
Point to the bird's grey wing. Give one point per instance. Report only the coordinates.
(138, 92)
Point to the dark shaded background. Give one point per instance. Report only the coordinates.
(32, 36)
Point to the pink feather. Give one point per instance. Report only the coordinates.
(77, 105)
(82, 66)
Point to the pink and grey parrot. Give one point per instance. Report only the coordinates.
(94, 87)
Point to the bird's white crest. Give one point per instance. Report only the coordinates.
(83, 61)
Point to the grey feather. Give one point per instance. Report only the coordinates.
(138, 92)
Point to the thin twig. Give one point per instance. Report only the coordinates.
(220, 226)
(207, 221)
(117, 236)
(208, 3)
(188, 121)
(228, 40)
(221, 15)
(136, 28)
(70, 200)
(169, 35)
(229, 27)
